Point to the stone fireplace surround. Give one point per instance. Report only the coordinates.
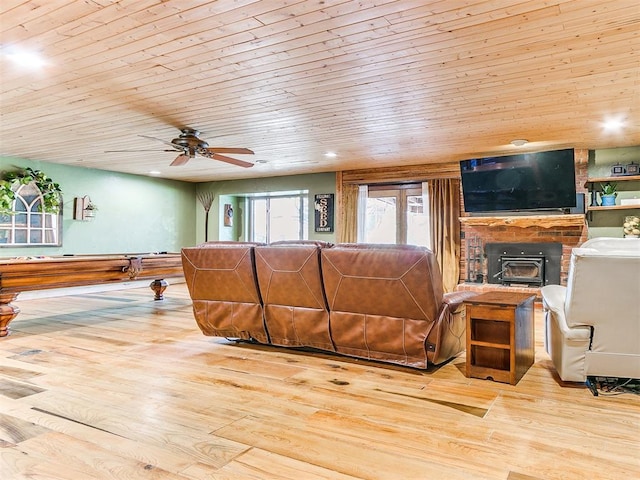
(568, 230)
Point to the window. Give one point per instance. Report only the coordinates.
(28, 225)
(397, 214)
(283, 217)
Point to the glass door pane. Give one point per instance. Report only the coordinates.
(397, 214)
(381, 226)
(284, 218)
(259, 216)
(417, 221)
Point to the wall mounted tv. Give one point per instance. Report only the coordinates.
(529, 181)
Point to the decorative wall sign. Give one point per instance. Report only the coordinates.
(324, 212)
(84, 209)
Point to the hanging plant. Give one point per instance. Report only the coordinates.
(11, 181)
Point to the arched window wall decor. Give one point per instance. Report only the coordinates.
(30, 217)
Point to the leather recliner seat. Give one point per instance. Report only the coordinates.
(222, 283)
(386, 303)
(290, 282)
(592, 326)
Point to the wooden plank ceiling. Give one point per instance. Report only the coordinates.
(379, 82)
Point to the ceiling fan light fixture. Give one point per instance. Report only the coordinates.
(519, 142)
(189, 146)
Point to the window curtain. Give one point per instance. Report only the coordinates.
(363, 193)
(349, 215)
(425, 209)
(444, 213)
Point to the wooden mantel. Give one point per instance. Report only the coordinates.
(542, 221)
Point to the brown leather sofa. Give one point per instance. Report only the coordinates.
(378, 302)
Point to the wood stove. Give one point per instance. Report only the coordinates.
(526, 264)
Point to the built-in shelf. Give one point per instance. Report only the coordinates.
(614, 207)
(591, 184)
(621, 178)
(543, 221)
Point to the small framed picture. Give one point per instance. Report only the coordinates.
(617, 169)
(228, 215)
(633, 169)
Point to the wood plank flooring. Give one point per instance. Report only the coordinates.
(116, 386)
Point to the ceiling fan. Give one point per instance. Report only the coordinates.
(189, 145)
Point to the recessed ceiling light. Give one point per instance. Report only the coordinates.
(155, 172)
(260, 161)
(23, 58)
(519, 142)
(613, 124)
(331, 154)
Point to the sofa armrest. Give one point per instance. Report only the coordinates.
(454, 299)
(553, 298)
(447, 337)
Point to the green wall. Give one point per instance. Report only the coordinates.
(136, 214)
(231, 192)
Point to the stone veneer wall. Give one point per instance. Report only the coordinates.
(569, 232)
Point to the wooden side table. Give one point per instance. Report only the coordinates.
(500, 335)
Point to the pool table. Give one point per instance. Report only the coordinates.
(38, 273)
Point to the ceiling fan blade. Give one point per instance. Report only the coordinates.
(243, 151)
(180, 160)
(176, 147)
(233, 161)
(135, 151)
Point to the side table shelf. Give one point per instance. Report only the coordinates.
(500, 336)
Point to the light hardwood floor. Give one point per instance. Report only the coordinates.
(114, 385)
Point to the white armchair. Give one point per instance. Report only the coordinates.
(592, 326)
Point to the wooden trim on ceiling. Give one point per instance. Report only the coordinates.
(401, 174)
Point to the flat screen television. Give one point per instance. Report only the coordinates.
(528, 181)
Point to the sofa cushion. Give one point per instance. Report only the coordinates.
(290, 283)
